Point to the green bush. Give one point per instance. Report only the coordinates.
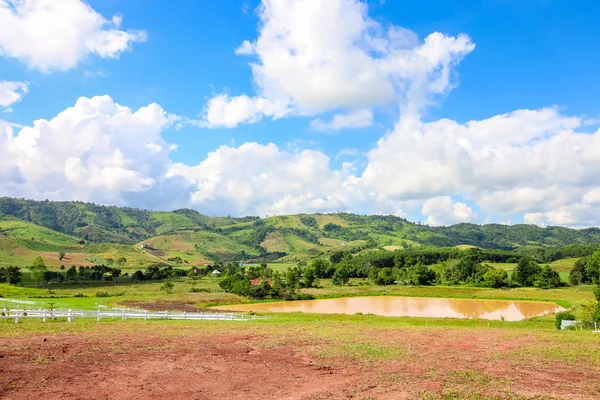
(300, 296)
(565, 315)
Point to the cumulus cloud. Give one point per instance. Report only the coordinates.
(356, 119)
(311, 57)
(529, 161)
(11, 92)
(262, 179)
(57, 35)
(96, 150)
(314, 56)
(444, 211)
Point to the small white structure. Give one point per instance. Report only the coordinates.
(215, 273)
(144, 245)
(565, 323)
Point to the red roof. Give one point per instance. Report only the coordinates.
(256, 282)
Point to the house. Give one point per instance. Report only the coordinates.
(196, 270)
(145, 246)
(215, 273)
(256, 282)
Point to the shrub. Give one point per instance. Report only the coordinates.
(107, 294)
(80, 295)
(300, 296)
(565, 315)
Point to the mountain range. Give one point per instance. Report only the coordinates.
(88, 234)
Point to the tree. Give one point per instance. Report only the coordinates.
(71, 273)
(385, 277)
(11, 275)
(526, 272)
(579, 273)
(61, 255)
(593, 267)
(167, 286)
(310, 277)
(121, 261)
(340, 276)
(38, 269)
(495, 278)
(547, 279)
(292, 279)
(421, 275)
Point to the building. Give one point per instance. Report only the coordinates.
(145, 246)
(215, 273)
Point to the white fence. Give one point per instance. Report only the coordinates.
(70, 315)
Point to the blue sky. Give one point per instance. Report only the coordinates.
(536, 55)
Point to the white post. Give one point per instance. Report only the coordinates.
(145, 315)
(184, 315)
(123, 315)
(254, 316)
(17, 317)
(201, 315)
(167, 314)
(98, 316)
(44, 319)
(70, 316)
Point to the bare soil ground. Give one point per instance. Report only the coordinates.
(226, 360)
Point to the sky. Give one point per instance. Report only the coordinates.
(439, 112)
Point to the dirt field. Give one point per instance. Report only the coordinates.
(319, 360)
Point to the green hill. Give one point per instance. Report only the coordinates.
(90, 233)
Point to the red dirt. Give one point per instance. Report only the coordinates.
(243, 361)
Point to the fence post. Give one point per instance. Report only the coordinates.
(70, 316)
(98, 316)
(167, 314)
(17, 317)
(145, 315)
(123, 315)
(184, 315)
(44, 319)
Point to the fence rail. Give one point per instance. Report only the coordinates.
(70, 315)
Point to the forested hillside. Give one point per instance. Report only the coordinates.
(188, 237)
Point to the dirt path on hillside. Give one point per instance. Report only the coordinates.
(234, 361)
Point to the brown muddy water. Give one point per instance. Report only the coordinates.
(393, 306)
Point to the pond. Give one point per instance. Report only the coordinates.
(394, 306)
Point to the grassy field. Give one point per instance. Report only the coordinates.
(299, 356)
(295, 355)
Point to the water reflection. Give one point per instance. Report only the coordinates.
(391, 306)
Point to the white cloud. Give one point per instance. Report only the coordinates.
(96, 150)
(57, 35)
(315, 56)
(229, 112)
(347, 152)
(443, 211)
(11, 92)
(262, 179)
(356, 119)
(528, 161)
